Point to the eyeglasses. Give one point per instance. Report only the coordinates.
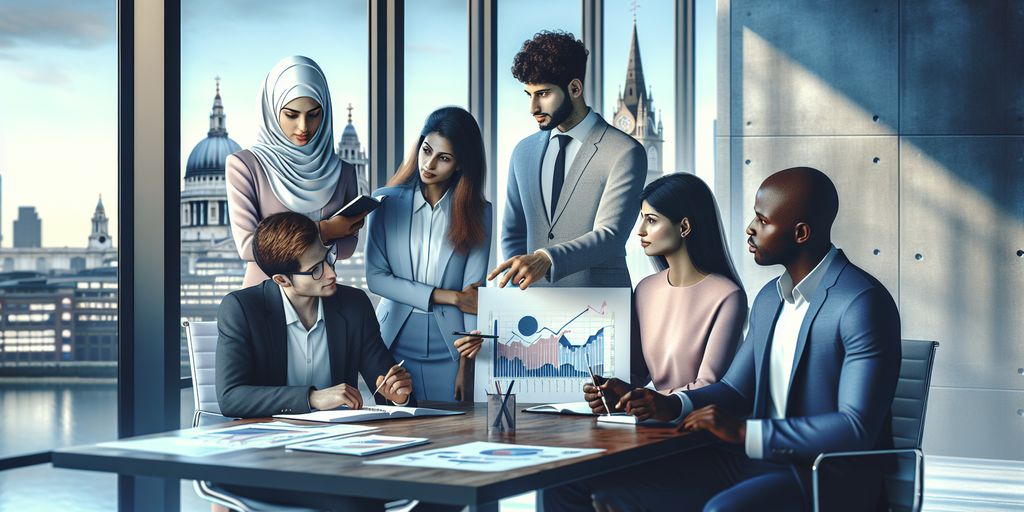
(318, 271)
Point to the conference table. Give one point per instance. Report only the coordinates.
(278, 468)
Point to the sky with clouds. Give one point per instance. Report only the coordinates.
(58, 110)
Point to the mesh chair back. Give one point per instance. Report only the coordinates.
(908, 410)
(202, 358)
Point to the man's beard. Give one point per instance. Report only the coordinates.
(559, 115)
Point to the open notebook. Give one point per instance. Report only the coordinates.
(377, 412)
(571, 408)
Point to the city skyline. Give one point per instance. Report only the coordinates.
(66, 51)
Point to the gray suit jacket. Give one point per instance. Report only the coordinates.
(389, 269)
(596, 209)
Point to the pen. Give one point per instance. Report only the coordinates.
(389, 374)
(599, 390)
(487, 336)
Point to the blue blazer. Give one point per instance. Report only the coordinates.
(389, 268)
(846, 366)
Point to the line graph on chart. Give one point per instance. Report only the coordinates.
(547, 335)
(556, 344)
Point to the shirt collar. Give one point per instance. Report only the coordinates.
(291, 316)
(418, 201)
(581, 130)
(805, 289)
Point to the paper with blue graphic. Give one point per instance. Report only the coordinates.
(545, 336)
(483, 456)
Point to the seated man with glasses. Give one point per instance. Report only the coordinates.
(298, 341)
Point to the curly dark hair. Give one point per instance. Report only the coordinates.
(551, 58)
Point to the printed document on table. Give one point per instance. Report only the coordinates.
(204, 442)
(484, 456)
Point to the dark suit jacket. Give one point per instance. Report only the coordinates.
(846, 366)
(252, 350)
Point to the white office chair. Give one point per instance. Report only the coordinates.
(202, 362)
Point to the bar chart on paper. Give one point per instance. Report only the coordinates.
(547, 335)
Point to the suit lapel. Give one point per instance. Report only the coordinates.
(579, 164)
(761, 351)
(820, 295)
(399, 227)
(336, 329)
(278, 350)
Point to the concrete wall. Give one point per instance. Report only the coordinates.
(915, 109)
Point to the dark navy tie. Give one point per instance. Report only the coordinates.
(559, 178)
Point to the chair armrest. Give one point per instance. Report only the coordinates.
(214, 418)
(823, 458)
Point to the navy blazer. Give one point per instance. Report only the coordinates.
(252, 350)
(389, 268)
(846, 366)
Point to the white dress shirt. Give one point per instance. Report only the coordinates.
(781, 357)
(309, 363)
(426, 236)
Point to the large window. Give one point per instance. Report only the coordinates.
(639, 93)
(227, 49)
(436, 61)
(514, 119)
(59, 291)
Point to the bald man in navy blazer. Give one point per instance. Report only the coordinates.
(817, 373)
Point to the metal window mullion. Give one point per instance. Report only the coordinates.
(149, 71)
(387, 88)
(483, 93)
(684, 91)
(593, 40)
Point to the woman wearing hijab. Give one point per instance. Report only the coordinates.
(292, 166)
(426, 253)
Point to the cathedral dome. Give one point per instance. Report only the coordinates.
(207, 157)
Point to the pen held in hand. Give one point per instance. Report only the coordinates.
(485, 336)
(600, 391)
(386, 376)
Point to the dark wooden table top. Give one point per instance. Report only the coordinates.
(625, 446)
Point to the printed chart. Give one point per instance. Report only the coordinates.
(483, 456)
(546, 338)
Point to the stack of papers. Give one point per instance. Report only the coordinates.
(359, 445)
(202, 442)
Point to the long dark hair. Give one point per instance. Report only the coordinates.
(466, 228)
(684, 195)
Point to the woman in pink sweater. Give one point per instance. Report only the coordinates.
(689, 316)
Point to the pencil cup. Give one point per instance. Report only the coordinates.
(501, 413)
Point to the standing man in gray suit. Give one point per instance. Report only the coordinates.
(574, 186)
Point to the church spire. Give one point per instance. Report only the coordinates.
(217, 126)
(99, 238)
(635, 85)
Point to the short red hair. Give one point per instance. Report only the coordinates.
(280, 241)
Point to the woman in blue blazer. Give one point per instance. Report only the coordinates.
(427, 252)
